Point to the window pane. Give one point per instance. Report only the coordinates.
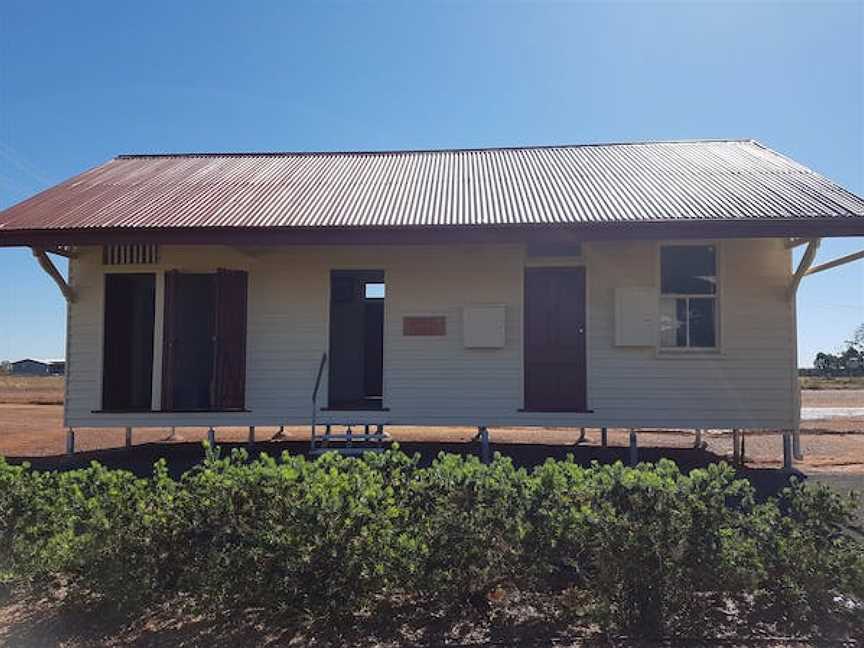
(703, 327)
(375, 291)
(673, 322)
(688, 269)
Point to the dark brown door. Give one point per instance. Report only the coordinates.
(555, 339)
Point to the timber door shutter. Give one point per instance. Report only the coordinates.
(169, 340)
(555, 354)
(347, 339)
(229, 379)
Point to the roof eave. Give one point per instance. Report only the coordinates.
(810, 227)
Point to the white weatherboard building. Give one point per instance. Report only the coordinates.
(623, 285)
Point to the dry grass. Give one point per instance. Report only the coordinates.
(840, 382)
(31, 390)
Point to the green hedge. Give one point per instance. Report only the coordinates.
(644, 550)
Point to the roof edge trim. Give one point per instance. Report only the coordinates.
(823, 227)
(478, 149)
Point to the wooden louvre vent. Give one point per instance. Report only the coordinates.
(130, 254)
(428, 325)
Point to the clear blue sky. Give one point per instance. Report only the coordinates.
(83, 81)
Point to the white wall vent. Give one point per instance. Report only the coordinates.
(483, 327)
(130, 254)
(636, 312)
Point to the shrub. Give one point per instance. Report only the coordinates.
(100, 528)
(811, 562)
(469, 522)
(644, 550)
(655, 548)
(290, 534)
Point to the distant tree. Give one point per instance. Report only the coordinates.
(857, 341)
(849, 362)
(5, 367)
(822, 363)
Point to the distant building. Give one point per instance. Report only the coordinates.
(29, 367)
(56, 367)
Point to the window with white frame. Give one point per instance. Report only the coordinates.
(688, 297)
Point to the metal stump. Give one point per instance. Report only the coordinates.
(736, 447)
(797, 452)
(787, 450)
(485, 451)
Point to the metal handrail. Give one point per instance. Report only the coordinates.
(315, 394)
(318, 378)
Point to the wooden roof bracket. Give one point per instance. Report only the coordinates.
(795, 242)
(67, 251)
(52, 271)
(804, 265)
(849, 258)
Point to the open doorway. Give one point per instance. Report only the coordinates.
(356, 376)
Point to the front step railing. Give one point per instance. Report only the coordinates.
(315, 394)
(348, 442)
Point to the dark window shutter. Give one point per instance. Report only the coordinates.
(229, 380)
(127, 376)
(169, 340)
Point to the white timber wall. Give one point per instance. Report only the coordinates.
(749, 382)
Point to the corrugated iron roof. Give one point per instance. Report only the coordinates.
(564, 185)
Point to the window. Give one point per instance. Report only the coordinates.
(688, 296)
(127, 364)
(375, 290)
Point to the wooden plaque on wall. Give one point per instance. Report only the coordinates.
(424, 326)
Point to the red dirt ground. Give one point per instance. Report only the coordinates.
(835, 445)
(31, 426)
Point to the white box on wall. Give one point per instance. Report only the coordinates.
(483, 327)
(636, 313)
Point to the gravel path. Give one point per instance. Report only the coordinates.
(832, 398)
(829, 413)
